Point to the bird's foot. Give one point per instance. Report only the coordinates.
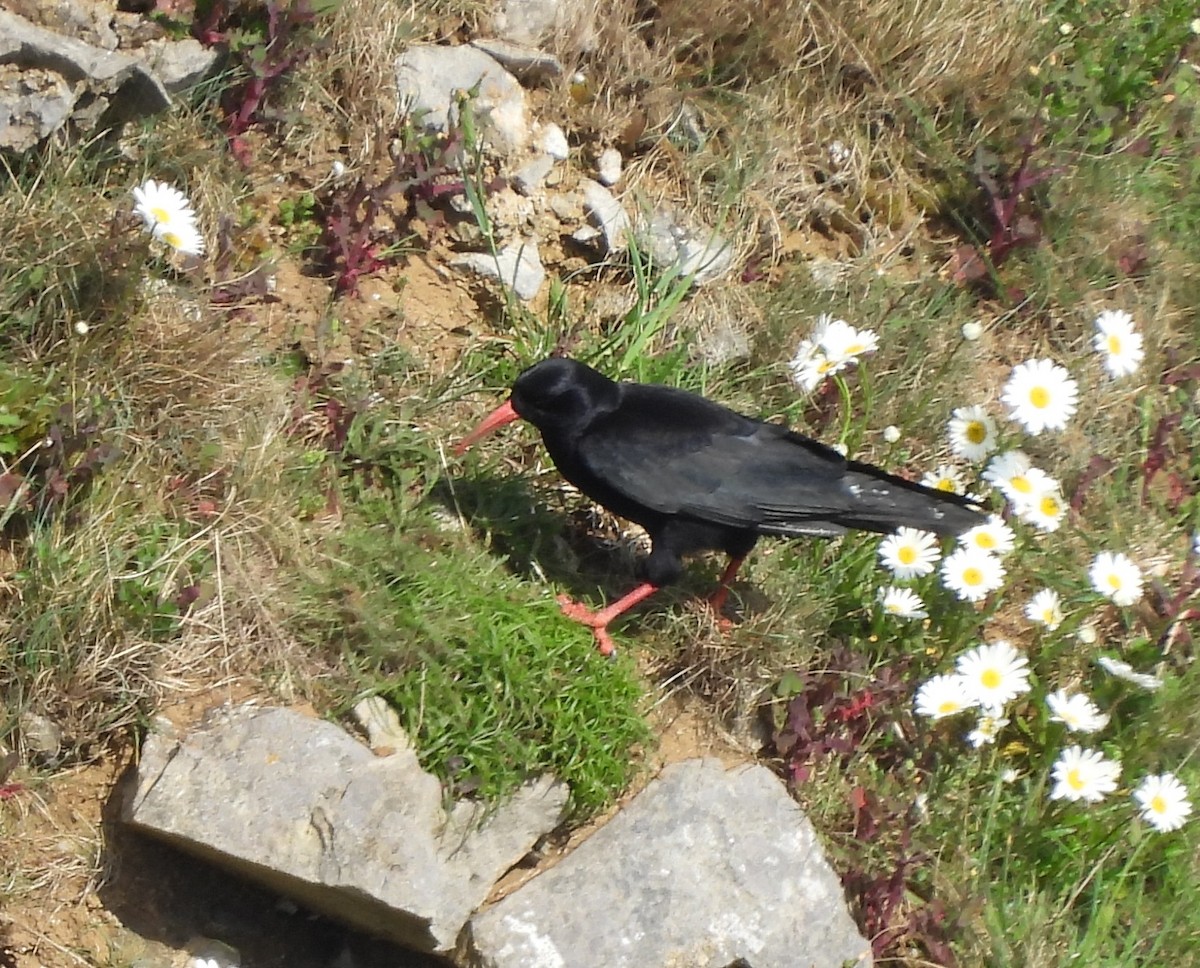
(717, 601)
(592, 619)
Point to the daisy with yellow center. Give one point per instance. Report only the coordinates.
(1118, 343)
(972, 433)
(1116, 577)
(986, 730)
(909, 553)
(1164, 802)
(1077, 712)
(1014, 475)
(993, 536)
(902, 602)
(1081, 774)
(1046, 509)
(811, 365)
(994, 674)
(972, 574)
(945, 478)
(941, 696)
(168, 216)
(841, 342)
(1045, 608)
(1040, 396)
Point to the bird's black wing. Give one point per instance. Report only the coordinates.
(677, 453)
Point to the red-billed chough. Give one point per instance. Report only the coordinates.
(699, 477)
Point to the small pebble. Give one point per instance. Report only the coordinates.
(608, 167)
(554, 143)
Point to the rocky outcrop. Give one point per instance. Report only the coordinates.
(707, 866)
(303, 807)
(51, 80)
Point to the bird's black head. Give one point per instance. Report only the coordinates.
(563, 395)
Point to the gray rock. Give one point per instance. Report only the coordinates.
(517, 265)
(587, 235)
(526, 63)
(33, 105)
(526, 21)
(532, 175)
(704, 867)
(179, 64)
(428, 78)
(608, 167)
(567, 207)
(301, 806)
(99, 83)
(554, 142)
(43, 738)
(673, 244)
(606, 214)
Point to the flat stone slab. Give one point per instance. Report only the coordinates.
(705, 867)
(300, 805)
(430, 76)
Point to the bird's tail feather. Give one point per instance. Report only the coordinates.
(885, 502)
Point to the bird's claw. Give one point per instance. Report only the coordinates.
(581, 613)
(576, 610)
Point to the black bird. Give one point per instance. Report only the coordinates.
(700, 477)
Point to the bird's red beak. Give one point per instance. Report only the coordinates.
(503, 414)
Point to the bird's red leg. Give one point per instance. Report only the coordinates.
(717, 599)
(598, 621)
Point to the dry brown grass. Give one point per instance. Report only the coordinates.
(199, 496)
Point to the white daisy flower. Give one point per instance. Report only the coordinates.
(1164, 801)
(971, 574)
(945, 478)
(1014, 475)
(1081, 774)
(810, 366)
(161, 205)
(993, 536)
(902, 602)
(168, 215)
(909, 553)
(1118, 342)
(1047, 509)
(986, 730)
(1040, 395)
(1045, 608)
(1078, 713)
(994, 674)
(183, 238)
(942, 696)
(972, 433)
(1123, 670)
(1115, 576)
(841, 342)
